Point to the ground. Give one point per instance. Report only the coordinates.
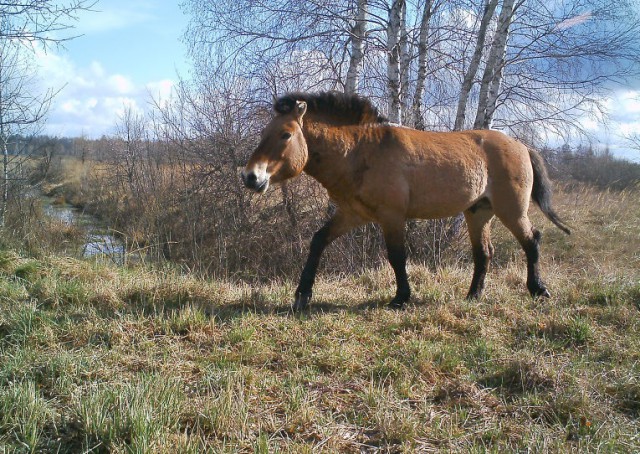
(105, 359)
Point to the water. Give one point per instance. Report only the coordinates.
(98, 242)
(104, 245)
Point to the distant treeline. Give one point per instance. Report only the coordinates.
(42, 145)
(77, 146)
(583, 163)
(592, 166)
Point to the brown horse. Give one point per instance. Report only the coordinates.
(378, 172)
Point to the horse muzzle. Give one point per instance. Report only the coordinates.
(258, 182)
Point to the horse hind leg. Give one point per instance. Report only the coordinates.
(479, 219)
(536, 287)
(529, 238)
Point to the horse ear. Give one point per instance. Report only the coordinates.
(301, 109)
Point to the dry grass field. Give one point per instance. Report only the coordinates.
(96, 358)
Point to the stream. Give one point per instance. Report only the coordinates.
(98, 242)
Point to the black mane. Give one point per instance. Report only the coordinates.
(332, 107)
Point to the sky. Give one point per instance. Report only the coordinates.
(129, 52)
(126, 53)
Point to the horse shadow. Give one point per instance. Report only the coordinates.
(320, 307)
(256, 302)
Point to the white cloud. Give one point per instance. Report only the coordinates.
(161, 90)
(630, 102)
(120, 84)
(622, 120)
(573, 21)
(91, 99)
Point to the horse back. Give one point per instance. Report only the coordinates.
(437, 174)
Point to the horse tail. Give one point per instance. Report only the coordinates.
(541, 191)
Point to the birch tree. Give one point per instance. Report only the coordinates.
(393, 60)
(357, 48)
(405, 65)
(472, 69)
(416, 108)
(492, 76)
(536, 63)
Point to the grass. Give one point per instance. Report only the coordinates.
(96, 358)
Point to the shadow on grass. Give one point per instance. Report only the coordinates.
(156, 301)
(241, 308)
(517, 377)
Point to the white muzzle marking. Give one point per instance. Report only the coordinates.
(256, 178)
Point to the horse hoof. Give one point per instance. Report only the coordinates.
(301, 302)
(472, 296)
(396, 305)
(541, 293)
(544, 293)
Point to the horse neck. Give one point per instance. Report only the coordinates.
(329, 148)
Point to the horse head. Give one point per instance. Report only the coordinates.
(282, 152)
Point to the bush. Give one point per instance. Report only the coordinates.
(601, 170)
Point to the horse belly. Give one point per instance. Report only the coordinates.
(444, 192)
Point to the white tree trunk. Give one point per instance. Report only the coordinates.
(405, 63)
(5, 159)
(5, 183)
(470, 75)
(492, 96)
(493, 71)
(357, 45)
(416, 108)
(393, 65)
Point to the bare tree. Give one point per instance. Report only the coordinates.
(40, 22)
(472, 69)
(492, 76)
(129, 150)
(24, 25)
(249, 37)
(357, 48)
(394, 32)
(634, 140)
(542, 61)
(405, 64)
(559, 62)
(423, 49)
(21, 108)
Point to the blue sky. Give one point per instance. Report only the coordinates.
(128, 52)
(131, 51)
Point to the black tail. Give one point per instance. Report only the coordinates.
(541, 192)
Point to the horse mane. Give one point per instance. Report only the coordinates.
(332, 107)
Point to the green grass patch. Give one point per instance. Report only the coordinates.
(95, 358)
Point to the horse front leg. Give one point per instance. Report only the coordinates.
(396, 253)
(335, 227)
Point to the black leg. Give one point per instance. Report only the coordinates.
(307, 278)
(397, 256)
(479, 224)
(335, 227)
(481, 259)
(534, 282)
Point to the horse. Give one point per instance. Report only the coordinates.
(375, 171)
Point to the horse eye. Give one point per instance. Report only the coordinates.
(286, 135)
